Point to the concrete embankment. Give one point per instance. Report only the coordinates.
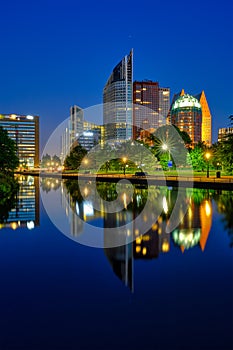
(197, 182)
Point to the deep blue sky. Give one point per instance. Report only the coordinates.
(58, 53)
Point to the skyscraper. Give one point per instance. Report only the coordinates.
(164, 103)
(117, 99)
(206, 128)
(151, 105)
(186, 114)
(76, 123)
(206, 123)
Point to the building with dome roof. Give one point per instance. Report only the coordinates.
(186, 114)
(206, 118)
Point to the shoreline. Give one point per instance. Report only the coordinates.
(172, 180)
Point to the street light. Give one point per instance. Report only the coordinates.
(208, 155)
(166, 148)
(124, 159)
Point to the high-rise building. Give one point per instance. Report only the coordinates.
(24, 130)
(206, 124)
(146, 106)
(151, 105)
(164, 103)
(76, 122)
(186, 114)
(206, 128)
(80, 131)
(117, 99)
(224, 133)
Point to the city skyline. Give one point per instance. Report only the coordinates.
(48, 68)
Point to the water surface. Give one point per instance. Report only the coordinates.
(161, 291)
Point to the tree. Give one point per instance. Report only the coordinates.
(45, 160)
(169, 144)
(223, 151)
(56, 159)
(196, 158)
(74, 159)
(9, 160)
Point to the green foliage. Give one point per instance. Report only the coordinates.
(47, 159)
(224, 155)
(196, 159)
(74, 159)
(225, 205)
(8, 190)
(9, 161)
(175, 141)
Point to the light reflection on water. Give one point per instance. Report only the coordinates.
(176, 281)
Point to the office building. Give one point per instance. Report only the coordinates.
(164, 104)
(151, 106)
(206, 127)
(117, 99)
(224, 134)
(186, 114)
(80, 131)
(76, 123)
(24, 130)
(206, 118)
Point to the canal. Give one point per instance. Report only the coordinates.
(87, 265)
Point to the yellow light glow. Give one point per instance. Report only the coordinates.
(125, 200)
(14, 225)
(136, 231)
(160, 220)
(138, 249)
(85, 191)
(165, 206)
(138, 240)
(154, 227)
(144, 251)
(145, 238)
(165, 247)
(207, 208)
(207, 155)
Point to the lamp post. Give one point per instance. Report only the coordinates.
(207, 155)
(166, 148)
(124, 159)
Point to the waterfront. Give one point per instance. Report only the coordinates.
(160, 291)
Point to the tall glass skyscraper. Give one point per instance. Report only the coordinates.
(117, 99)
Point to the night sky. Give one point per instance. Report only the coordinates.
(58, 53)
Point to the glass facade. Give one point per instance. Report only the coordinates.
(186, 114)
(117, 98)
(24, 130)
(224, 134)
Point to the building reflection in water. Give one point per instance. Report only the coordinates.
(133, 243)
(194, 226)
(26, 211)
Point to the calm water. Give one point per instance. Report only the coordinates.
(160, 291)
